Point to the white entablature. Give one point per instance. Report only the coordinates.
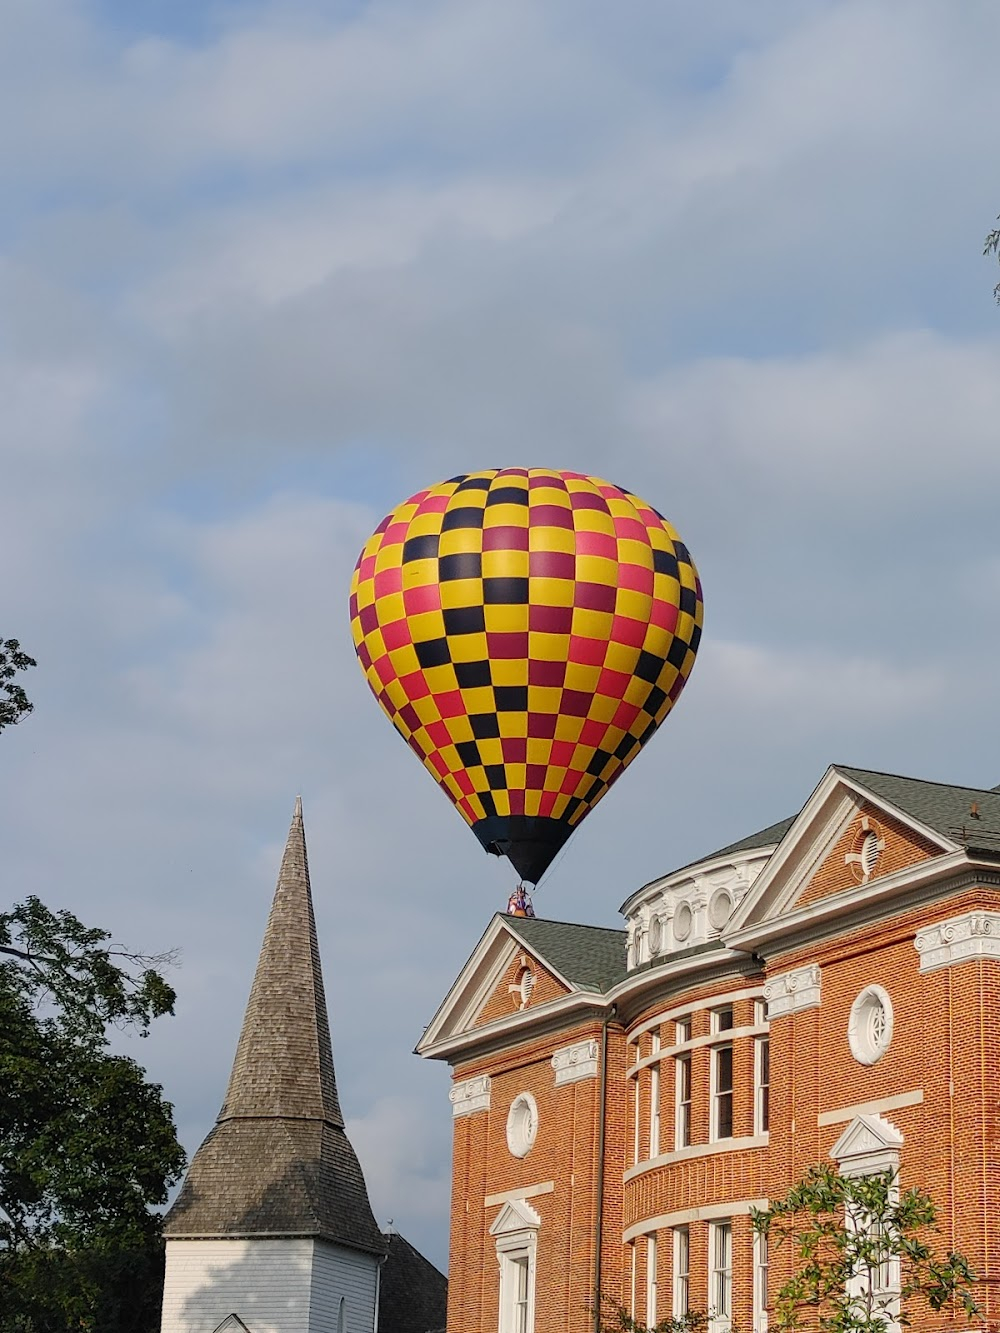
(689, 907)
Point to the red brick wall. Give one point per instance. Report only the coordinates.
(504, 1002)
(565, 1153)
(946, 1043)
(903, 848)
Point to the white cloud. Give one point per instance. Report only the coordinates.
(821, 692)
(718, 252)
(870, 426)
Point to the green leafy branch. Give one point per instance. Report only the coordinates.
(862, 1252)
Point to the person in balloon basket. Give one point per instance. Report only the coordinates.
(519, 904)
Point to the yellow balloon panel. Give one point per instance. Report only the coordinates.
(526, 631)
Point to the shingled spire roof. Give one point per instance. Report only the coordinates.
(284, 1061)
(278, 1162)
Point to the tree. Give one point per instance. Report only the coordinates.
(992, 247)
(87, 1146)
(616, 1319)
(863, 1253)
(14, 703)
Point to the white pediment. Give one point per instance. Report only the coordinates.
(478, 980)
(232, 1324)
(869, 1143)
(809, 841)
(515, 1215)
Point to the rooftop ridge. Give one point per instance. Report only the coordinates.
(925, 782)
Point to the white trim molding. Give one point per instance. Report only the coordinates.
(525, 1192)
(470, 1096)
(869, 1144)
(696, 1150)
(704, 1212)
(573, 1063)
(515, 1230)
(870, 1027)
(793, 991)
(897, 1103)
(974, 935)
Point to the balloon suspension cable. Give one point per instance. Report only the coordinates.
(549, 868)
(519, 902)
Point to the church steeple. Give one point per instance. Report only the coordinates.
(284, 1060)
(278, 1162)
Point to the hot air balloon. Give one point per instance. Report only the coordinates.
(526, 631)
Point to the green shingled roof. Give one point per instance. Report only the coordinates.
(766, 837)
(592, 957)
(940, 806)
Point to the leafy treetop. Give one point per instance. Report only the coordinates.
(14, 703)
(863, 1255)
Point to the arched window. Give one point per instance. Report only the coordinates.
(342, 1316)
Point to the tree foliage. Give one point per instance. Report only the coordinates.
(992, 247)
(14, 703)
(87, 1145)
(616, 1319)
(863, 1255)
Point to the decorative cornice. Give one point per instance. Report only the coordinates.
(902, 890)
(973, 935)
(573, 1063)
(793, 991)
(470, 1096)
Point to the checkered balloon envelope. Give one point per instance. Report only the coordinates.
(526, 632)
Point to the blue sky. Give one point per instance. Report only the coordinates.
(266, 269)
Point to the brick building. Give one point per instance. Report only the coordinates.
(825, 989)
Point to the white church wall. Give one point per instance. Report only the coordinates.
(268, 1283)
(342, 1274)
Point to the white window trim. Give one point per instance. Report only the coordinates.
(684, 1058)
(719, 1323)
(760, 1269)
(865, 1048)
(651, 1285)
(654, 1111)
(687, 1010)
(869, 1145)
(515, 1230)
(713, 1093)
(716, 1013)
(758, 1087)
(681, 1295)
(635, 1273)
(637, 1113)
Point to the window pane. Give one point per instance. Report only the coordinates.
(763, 1085)
(682, 1075)
(651, 1280)
(722, 1274)
(521, 1296)
(723, 1019)
(723, 1092)
(724, 1069)
(682, 1264)
(654, 1110)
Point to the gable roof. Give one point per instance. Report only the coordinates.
(278, 1161)
(940, 806)
(765, 837)
(961, 823)
(587, 961)
(413, 1294)
(588, 957)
